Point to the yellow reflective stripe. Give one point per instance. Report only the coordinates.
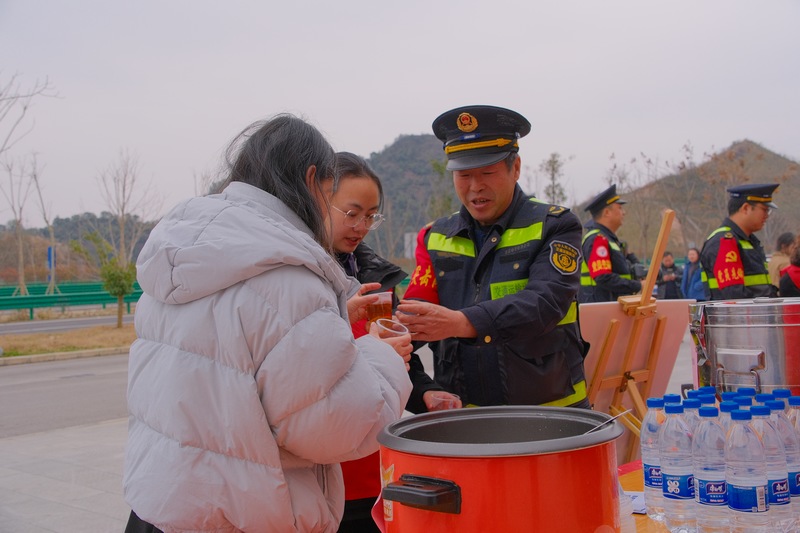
(712, 283)
(517, 236)
(584, 267)
(571, 316)
(615, 246)
(626, 276)
(723, 228)
(756, 279)
(589, 234)
(457, 245)
(578, 395)
(587, 281)
(745, 245)
(478, 144)
(504, 288)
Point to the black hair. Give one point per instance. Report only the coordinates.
(667, 253)
(275, 155)
(734, 204)
(510, 160)
(352, 165)
(784, 240)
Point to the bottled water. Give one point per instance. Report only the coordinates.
(729, 395)
(783, 394)
(746, 476)
(708, 463)
(651, 458)
(744, 402)
(746, 391)
(693, 393)
(707, 399)
(672, 398)
(677, 482)
(778, 494)
(690, 412)
(725, 409)
(791, 445)
(794, 412)
(708, 389)
(626, 520)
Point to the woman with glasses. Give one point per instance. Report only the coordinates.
(246, 388)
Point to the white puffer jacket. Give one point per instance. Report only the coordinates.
(246, 388)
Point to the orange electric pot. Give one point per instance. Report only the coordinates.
(507, 468)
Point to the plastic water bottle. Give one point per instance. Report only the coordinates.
(708, 389)
(691, 413)
(746, 391)
(777, 473)
(707, 399)
(783, 394)
(728, 395)
(626, 520)
(746, 476)
(762, 398)
(794, 412)
(693, 393)
(677, 481)
(672, 398)
(725, 409)
(744, 402)
(708, 463)
(791, 444)
(651, 458)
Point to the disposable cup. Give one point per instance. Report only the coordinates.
(440, 401)
(390, 328)
(382, 308)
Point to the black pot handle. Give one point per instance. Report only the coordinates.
(429, 493)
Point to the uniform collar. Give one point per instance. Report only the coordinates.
(740, 234)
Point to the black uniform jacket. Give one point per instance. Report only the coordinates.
(605, 272)
(742, 270)
(516, 282)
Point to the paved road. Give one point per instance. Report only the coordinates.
(59, 394)
(61, 324)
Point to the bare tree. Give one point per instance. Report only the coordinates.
(553, 169)
(15, 102)
(125, 197)
(35, 174)
(16, 192)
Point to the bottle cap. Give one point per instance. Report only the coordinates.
(776, 405)
(672, 398)
(743, 400)
(691, 403)
(692, 393)
(673, 408)
(728, 406)
(741, 414)
(764, 397)
(707, 399)
(655, 403)
(760, 410)
(746, 391)
(729, 395)
(794, 400)
(708, 411)
(708, 389)
(781, 393)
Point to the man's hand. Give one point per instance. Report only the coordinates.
(430, 322)
(357, 304)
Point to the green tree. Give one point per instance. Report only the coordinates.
(118, 275)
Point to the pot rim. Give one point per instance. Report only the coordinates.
(391, 435)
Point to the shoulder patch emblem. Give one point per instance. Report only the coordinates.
(564, 257)
(728, 235)
(556, 210)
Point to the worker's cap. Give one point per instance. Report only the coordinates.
(755, 192)
(479, 135)
(604, 199)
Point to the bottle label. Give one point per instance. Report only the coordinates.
(794, 483)
(778, 491)
(710, 492)
(680, 487)
(747, 499)
(652, 476)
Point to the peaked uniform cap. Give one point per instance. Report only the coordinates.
(604, 199)
(479, 135)
(755, 192)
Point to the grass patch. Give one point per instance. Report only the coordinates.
(68, 341)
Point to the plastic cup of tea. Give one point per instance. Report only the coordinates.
(441, 401)
(382, 308)
(390, 328)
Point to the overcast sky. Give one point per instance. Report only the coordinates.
(174, 81)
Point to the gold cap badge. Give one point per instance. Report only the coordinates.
(467, 123)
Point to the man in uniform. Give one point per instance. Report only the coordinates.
(493, 292)
(606, 270)
(733, 260)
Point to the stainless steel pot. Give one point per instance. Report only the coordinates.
(747, 343)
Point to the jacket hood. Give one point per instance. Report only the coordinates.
(207, 244)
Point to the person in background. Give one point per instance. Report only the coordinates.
(669, 278)
(494, 287)
(356, 202)
(606, 270)
(246, 388)
(733, 260)
(780, 259)
(789, 286)
(692, 283)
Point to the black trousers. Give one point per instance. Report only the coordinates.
(137, 525)
(358, 517)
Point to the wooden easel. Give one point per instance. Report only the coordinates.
(638, 308)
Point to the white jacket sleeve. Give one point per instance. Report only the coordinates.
(327, 396)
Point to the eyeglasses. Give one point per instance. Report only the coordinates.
(352, 220)
(767, 208)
